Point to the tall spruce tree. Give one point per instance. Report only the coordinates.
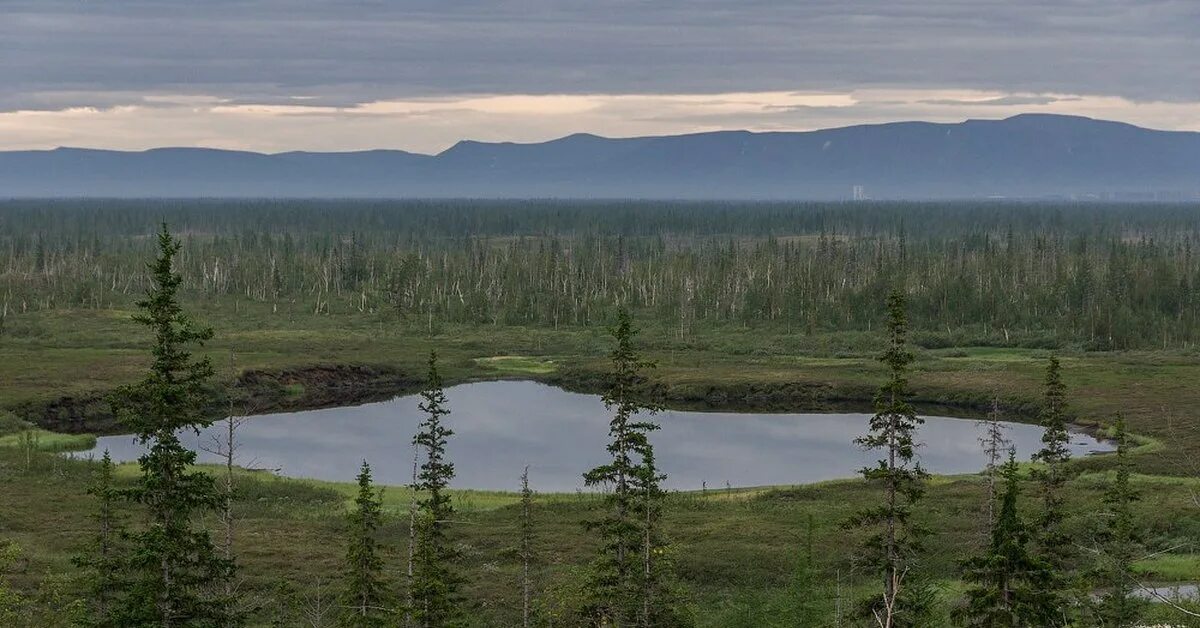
(1119, 542)
(435, 579)
(619, 583)
(895, 538)
(101, 560)
(1005, 583)
(364, 596)
(173, 574)
(526, 546)
(1054, 544)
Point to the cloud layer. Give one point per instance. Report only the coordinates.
(412, 73)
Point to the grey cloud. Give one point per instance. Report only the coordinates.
(56, 53)
(1001, 101)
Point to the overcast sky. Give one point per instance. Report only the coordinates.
(276, 75)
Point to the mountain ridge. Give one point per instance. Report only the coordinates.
(1024, 156)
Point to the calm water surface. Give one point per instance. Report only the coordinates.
(502, 426)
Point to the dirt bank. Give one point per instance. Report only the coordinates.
(325, 386)
(255, 392)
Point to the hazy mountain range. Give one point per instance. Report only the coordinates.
(1028, 156)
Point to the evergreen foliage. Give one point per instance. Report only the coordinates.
(101, 560)
(630, 579)
(894, 538)
(436, 580)
(1006, 582)
(526, 546)
(172, 571)
(1053, 540)
(364, 597)
(807, 590)
(1119, 544)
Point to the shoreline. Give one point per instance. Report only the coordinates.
(322, 386)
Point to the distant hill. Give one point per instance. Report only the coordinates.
(1026, 156)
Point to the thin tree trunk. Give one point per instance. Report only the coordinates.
(525, 547)
(646, 559)
(889, 581)
(412, 539)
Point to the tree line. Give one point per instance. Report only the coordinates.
(1095, 277)
(151, 562)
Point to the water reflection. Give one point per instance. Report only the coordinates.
(502, 426)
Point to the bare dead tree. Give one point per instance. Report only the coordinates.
(995, 445)
(225, 446)
(316, 609)
(885, 616)
(412, 537)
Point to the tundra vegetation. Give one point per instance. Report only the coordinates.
(1057, 314)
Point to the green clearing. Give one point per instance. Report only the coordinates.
(44, 440)
(518, 365)
(1170, 567)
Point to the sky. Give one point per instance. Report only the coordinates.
(420, 75)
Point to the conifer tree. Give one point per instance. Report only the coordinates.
(807, 592)
(1053, 541)
(435, 579)
(101, 561)
(618, 585)
(526, 545)
(364, 595)
(630, 581)
(173, 572)
(895, 537)
(1119, 608)
(1005, 583)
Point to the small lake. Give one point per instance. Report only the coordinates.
(502, 426)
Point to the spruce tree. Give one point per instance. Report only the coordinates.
(526, 546)
(1053, 542)
(1005, 583)
(894, 537)
(435, 579)
(1119, 608)
(619, 583)
(172, 570)
(807, 593)
(101, 560)
(364, 595)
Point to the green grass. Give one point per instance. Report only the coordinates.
(518, 365)
(735, 550)
(992, 354)
(1170, 567)
(43, 440)
(49, 354)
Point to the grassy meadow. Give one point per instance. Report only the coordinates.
(735, 550)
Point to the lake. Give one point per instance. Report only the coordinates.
(502, 426)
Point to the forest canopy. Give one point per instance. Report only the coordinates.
(1091, 276)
